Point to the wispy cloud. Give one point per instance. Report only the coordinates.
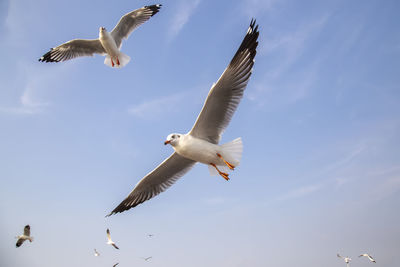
(29, 105)
(32, 84)
(215, 200)
(299, 192)
(156, 107)
(184, 11)
(27, 80)
(167, 105)
(339, 169)
(29, 90)
(329, 172)
(346, 159)
(291, 45)
(286, 50)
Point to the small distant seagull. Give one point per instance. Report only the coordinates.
(146, 259)
(109, 241)
(107, 44)
(346, 259)
(368, 256)
(25, 236)
(201, 143)
(96, 253)
(116, 264)
(150, 235)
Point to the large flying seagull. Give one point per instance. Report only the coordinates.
(200, 144)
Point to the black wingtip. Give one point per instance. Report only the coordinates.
(154, 8)
(48, 57)
(249, 42)
(118, 209)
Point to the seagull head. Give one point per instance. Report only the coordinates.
(173, 139)
(102, 29)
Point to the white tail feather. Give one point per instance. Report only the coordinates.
(232, 151)
(122, 58)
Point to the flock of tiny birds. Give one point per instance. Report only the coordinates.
(201, 143)
(27, 236)
(348, 259)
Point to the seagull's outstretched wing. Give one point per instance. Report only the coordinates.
(371, 259)
(27, 230)
(157, 181)
(116, 264)
(131, 21)
(225, 95)
(115, 246)
(108, 235)
(368, 256)
(19, 242)
(72, 49)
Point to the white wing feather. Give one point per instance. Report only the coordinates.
(225, 95)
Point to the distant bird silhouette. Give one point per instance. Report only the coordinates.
(25, 236)
(368, 256)
(150, 235)
(96, 253)
(146, 259)
(109, 241)
(116, 264)
(346, 259)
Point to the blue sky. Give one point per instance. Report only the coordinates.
(320, 123)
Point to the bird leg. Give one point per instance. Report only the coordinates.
(223, 174)
(112, 62)
(227, 163)
(118, 62)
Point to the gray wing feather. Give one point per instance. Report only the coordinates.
(72, 49)
(131, 21)
(157, 181)
(108, 234)
(225, 95)
(27, 230)
(20, 241)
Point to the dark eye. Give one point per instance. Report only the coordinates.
(173, 136)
